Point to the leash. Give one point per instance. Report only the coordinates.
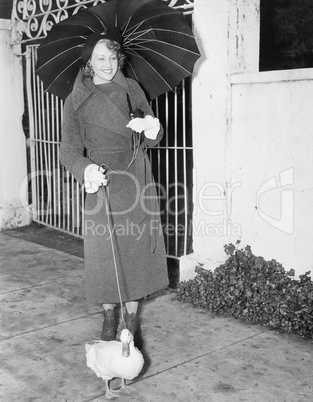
(136, 145)
(108, 212)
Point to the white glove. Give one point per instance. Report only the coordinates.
(94, 177)
(150, 125)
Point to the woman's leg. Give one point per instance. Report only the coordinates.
(109, 323)
(132, 322)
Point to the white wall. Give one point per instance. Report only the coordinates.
(253, 142)
(272, 160)
(12, 139)
(227, 33)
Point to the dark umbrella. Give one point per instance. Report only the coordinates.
(160, 47)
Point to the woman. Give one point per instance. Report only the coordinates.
(106, 153)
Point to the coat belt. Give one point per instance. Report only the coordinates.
(143, 172)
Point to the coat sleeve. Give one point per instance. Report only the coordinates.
(72, 146)
(142, 103)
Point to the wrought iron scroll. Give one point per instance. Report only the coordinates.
(32, 19)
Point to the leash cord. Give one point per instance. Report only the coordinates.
(106, 198)
(136, 146)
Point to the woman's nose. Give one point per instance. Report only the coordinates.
(107, 63)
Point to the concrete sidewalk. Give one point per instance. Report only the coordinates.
(189, 355)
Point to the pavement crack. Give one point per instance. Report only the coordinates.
(199, 357)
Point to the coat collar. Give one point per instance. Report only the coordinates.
(84, 87)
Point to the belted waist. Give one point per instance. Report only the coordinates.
(140, 161)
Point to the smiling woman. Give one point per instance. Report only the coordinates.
(104, 63)
(100, 55)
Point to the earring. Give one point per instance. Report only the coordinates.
(90, 69)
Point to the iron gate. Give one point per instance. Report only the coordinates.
(57, 198)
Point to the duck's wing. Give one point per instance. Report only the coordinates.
(99, 359)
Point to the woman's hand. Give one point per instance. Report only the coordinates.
(150, 125)
(94, 178)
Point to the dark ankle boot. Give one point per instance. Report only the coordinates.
(109, 326)
(133, 325)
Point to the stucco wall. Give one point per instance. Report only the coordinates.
(271, 161)
(252, 145)
(227, 33)
(266, 197)
(12, 139)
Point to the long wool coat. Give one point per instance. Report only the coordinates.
(94, 131)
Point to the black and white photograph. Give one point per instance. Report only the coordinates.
(156, 200)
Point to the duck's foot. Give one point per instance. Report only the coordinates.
(110, 394)
(125, 389)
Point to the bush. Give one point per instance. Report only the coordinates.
(253, 289)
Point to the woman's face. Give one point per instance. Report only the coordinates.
(104, 63)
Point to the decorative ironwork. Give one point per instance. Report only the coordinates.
(32, 19)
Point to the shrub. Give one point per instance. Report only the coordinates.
(253, 289)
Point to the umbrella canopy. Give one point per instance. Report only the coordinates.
(157, 40)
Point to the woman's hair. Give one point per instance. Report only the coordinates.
(112, 45)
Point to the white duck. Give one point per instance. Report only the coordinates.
(115, 359)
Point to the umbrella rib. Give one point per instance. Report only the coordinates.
(152, 68)
(131, 67)
(143, 41)
(99, 19)
(47, 89)
(92, 29)
(166, 83)
(64, 52)
(69, 37)
(145, 31)
(134, 27)
(128, 43)
(165, 57)
(61, 39)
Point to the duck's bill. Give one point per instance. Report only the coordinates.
(125, 349)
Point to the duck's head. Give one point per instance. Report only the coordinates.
(126, 339)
